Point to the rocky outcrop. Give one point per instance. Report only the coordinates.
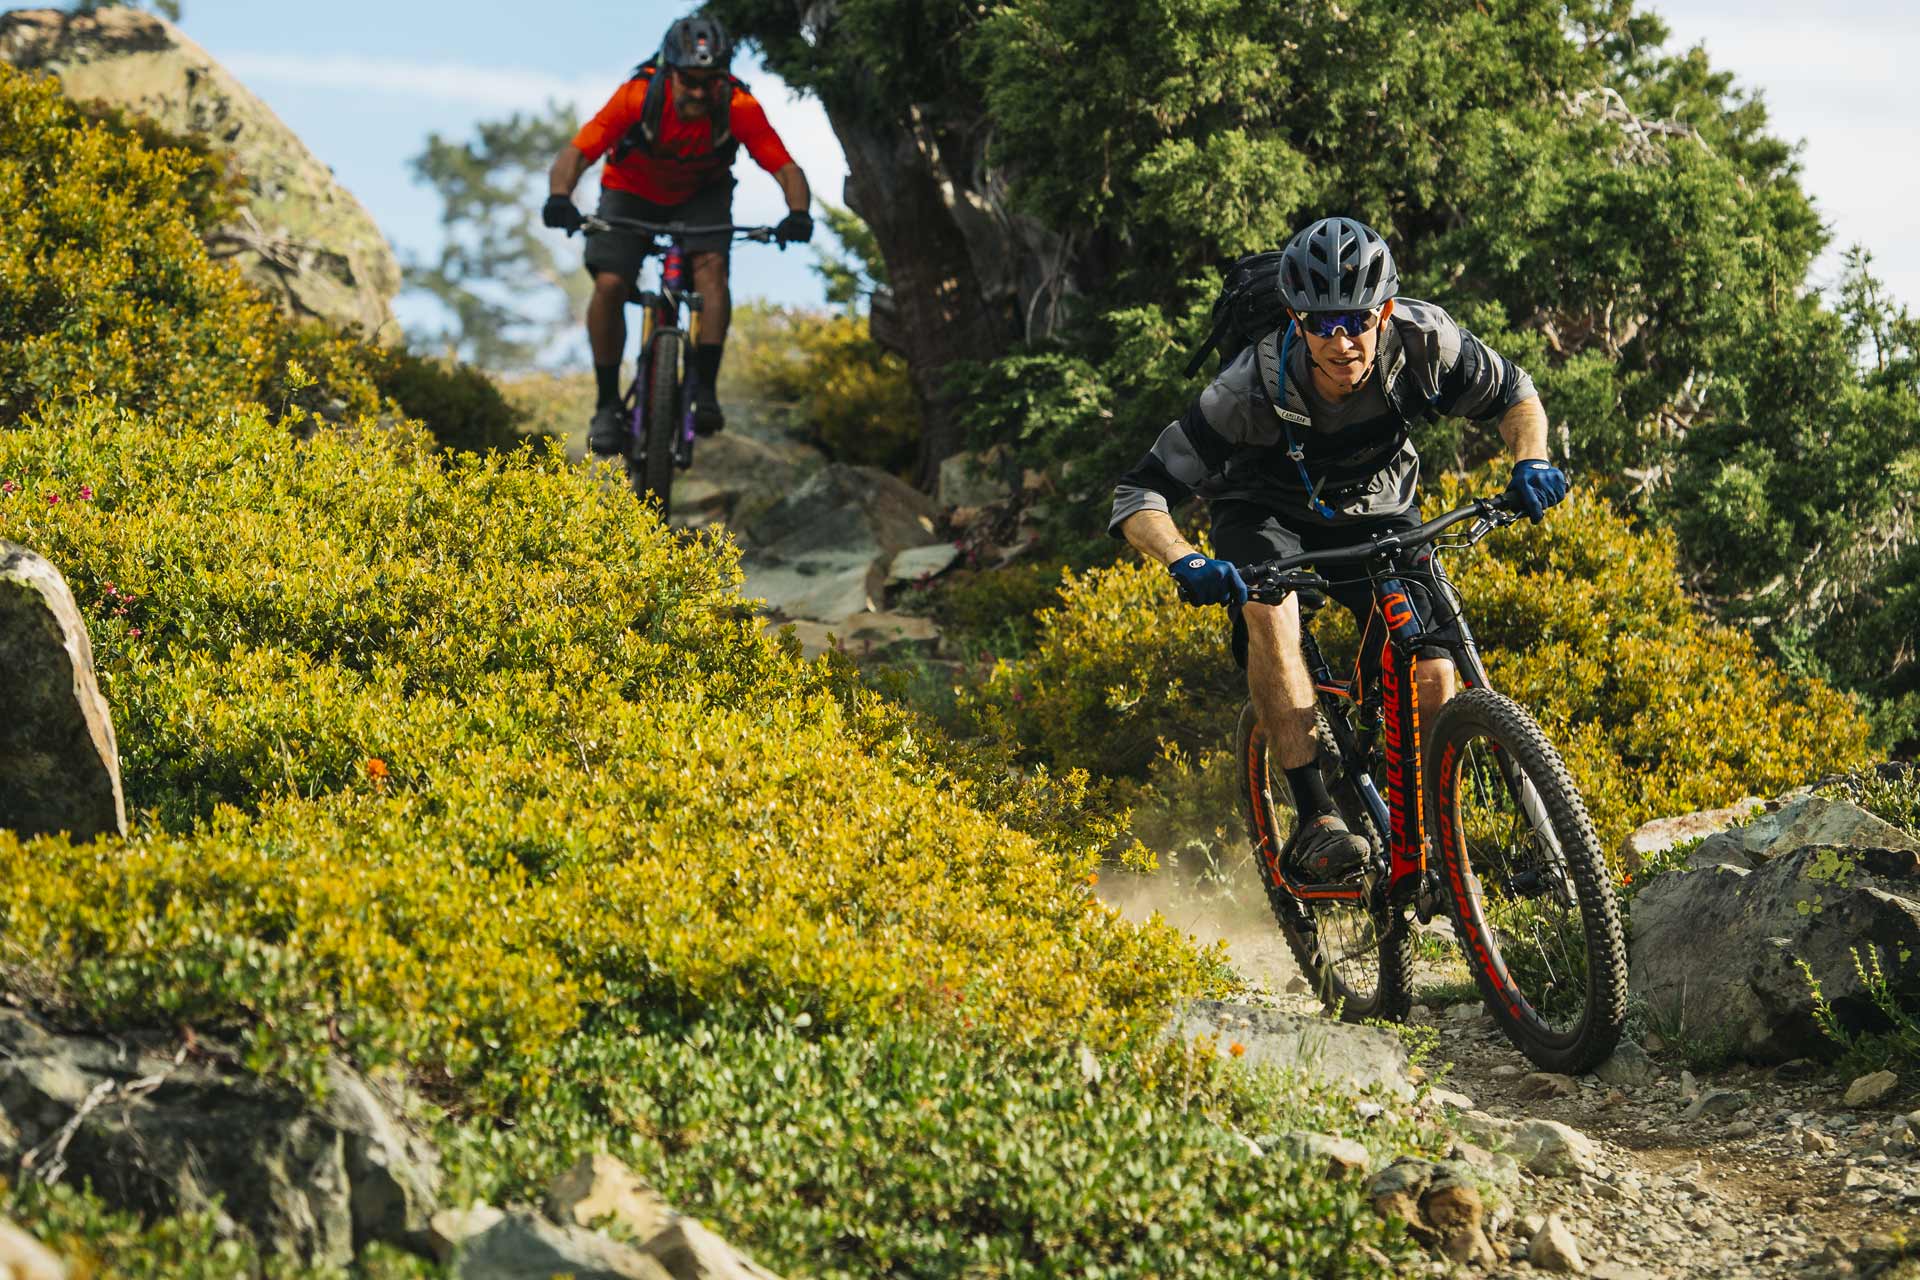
(1664, 833)
(1801, 821)
(59, 763)
(158, 1132)
(823, 552)
(1716, 951)
(300, 237)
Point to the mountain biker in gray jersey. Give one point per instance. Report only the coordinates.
(1303, 443)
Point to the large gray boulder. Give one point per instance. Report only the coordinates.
(299, 236)
(1331, 1054)
(59, 762)
(157, 1133)
(1715, 951)
(823, 552)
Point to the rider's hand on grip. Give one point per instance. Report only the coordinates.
(562, 214)
(1204, 581)
(795, 228)
(1535, 486)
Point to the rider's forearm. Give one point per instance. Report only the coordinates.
(564, 176)
(1524, 428)
(1153, 534)
(793, 184)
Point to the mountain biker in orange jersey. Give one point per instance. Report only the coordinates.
(674, 130)
(1302, 443)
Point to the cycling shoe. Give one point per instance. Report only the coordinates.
(1325, 851)
(607, 434)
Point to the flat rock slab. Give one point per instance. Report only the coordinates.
(59, 761)
(1332, 1053)
(1796, 824)
(1663, 833)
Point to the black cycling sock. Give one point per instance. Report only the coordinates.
(1310, 796)
(607, 377)
(706, 357)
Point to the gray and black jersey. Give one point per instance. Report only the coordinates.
(1233, 441)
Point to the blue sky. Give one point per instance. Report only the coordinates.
(363, 82)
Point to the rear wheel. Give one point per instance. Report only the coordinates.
(1526, 883)
(1356, 954)
(653, 469)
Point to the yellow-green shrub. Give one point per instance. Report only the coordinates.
(440, 755)
(104, 285)
(1583, 620)
(853, 396)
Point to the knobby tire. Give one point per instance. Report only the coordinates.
(1582, 1040)
(1302, 922)
(664, 410)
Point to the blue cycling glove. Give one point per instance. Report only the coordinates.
(1204, 581)
(1535, 486)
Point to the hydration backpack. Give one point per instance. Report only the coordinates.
(644, 133)
(1250, 306)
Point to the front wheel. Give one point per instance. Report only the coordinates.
(652, 471)
(1355, 953)
(1526, 883)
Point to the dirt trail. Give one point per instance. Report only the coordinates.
(1738, 1174)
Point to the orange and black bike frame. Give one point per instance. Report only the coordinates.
(1395, 634)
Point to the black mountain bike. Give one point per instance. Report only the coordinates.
(1487, 827)
(659, 401)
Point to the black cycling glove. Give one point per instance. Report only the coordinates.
(562, 214)
(795, 228)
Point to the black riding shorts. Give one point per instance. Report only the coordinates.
(622, 252)
(1247, 533)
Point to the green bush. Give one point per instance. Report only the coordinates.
(1582, 619)
(461, 405)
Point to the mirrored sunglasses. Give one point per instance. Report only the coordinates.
(1325, 324)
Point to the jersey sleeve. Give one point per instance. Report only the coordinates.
(598, 135)
(1191, 450)
(1478, 382)
(750, 124)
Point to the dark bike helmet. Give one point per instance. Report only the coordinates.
(697, 41)
(1337, 264)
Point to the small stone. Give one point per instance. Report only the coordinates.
(599, 1186)
(1717, 1102)
(1546, 1084)
(1554, 1249)
(1552, 1149)
(1336, 1157)
(1615, 1098)
(1419, 1013)
(1814, 1140)
(1449, 1100)
(1654, 1042)
(1742, 1129)
(1629, 1066)
(1621, 1271)
(1869, 1089)
(1507, 1071)
(1464, 1013)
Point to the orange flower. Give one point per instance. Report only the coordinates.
(376, 769)
(1236, 1048)
(1093, 877)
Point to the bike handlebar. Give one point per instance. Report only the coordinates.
(679, 230)
(1270, 581)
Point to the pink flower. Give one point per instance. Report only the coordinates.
(53, 499)
(9, 486)
(86, 493)
(133, 633)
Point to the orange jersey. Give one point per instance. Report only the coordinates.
(686, 160)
